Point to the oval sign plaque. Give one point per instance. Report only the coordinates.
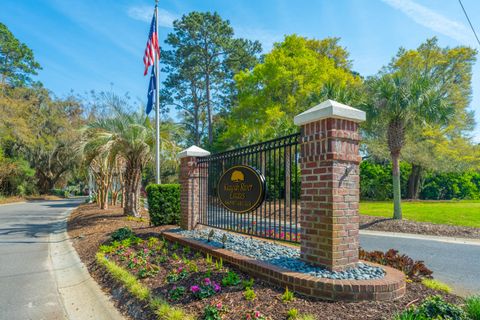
(241, 189)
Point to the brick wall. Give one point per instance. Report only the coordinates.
(189, 192)
(330, 193)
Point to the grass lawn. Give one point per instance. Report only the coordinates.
(460, 213)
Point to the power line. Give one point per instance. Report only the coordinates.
(469, 22)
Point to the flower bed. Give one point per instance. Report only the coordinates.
(90, 227)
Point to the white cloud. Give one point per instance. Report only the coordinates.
(432, 20)
(145, 13)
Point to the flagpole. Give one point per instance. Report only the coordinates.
(157, 103)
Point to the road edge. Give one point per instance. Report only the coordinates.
(80, 294)
(467, 241)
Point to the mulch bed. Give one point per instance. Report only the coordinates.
(426, 228)
(90, 227)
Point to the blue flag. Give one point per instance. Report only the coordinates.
(152, 86)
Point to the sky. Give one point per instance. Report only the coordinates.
(98, 45)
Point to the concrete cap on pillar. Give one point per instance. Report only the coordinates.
(329, 109)
(193, 151)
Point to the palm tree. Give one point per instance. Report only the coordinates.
(398, 102)
(130, 136)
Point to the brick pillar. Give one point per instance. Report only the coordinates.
(330, 184)
(189, 186)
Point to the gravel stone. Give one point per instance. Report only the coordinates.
(280, 255)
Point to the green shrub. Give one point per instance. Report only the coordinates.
(249, 294)
(436, 285)
(452, 185)
(122, 234)
(231, 279)
(164, 203)
(287, 296)
(247, 283)
(211, 312)
(472, 307)
(292, 314)
(436, 308)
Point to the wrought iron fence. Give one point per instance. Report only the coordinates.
(278, 216)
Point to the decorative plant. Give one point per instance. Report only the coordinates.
(208, 274)
(177, 275)
(472, 307)
(254, 315)
(175, 246)
(206, 289)
(219, 264)
(415, 270)
(247, 283)
(122, 234)
(231, 279)
(249, 294)
(186, 250)
(175, 256)
(292, 314)
(161, 259)
(213, 311)
(287, 296)
(152, 242)
(177, 293)
(208, 259)
(192, 266)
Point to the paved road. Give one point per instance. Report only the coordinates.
(28, 289)
(453, 263)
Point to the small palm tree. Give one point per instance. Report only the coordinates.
(397, 103)
(130, 136)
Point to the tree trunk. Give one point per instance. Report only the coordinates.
(397, 192)
(209, 109)
(132, 190)
(414, 182)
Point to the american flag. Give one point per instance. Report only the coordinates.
(152, 46)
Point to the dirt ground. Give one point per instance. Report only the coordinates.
(89, 227)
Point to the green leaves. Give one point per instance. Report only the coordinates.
(17, 62)
(297, 74)
(204, 57)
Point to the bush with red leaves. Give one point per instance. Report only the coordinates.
(415, 270)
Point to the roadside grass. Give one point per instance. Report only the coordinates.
(459, 213)
(160, 307)
(436, 285)
(472, 307)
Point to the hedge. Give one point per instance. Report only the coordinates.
(163, 203)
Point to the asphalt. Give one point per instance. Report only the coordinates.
(453, 261)
(41, 275)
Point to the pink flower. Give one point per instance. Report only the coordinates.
(219, 305)
(194, 289)
(145, 250)
(257, 314)
(180, 269)
(207, 281)
(216, 287)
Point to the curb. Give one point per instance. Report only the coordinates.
(11, 203)
(473, 242)
(81, 295)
